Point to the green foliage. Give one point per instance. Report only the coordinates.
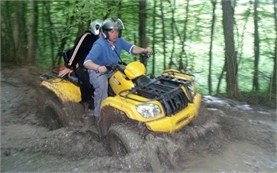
(67, 17)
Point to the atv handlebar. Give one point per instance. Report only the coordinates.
(122, 65)
(116, 66)
(144, 57)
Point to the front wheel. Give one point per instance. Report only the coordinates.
(123, 139)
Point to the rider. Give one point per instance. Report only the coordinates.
(74, 59)
(106, 51)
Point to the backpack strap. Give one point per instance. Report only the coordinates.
(77, 48)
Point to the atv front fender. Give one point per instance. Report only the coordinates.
(128, 107)
(176, 122)
(113, 109)
(65, 90)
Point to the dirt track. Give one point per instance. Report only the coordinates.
(227, 136)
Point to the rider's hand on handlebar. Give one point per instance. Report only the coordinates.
(102, 69)
(64, 72)
(148, 51)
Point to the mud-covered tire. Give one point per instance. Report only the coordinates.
(56, 114)
(52, 114)
(52, 110)
(123, 139)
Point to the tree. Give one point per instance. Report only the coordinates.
(256, 86)
(19, 33)
(7, 37)
(32, 42)
(51, 33)
(272, 87)
(154, 36)
(211, 47)
(243, 33)
(183, 51)
(164, 34)
(142, 26)
(173, 6)
(64, 38)
(230, 53)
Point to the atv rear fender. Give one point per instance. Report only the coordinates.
(65, 90)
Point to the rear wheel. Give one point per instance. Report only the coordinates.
(123, 139)
(52, 113)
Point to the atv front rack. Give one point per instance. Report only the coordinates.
(169, 91)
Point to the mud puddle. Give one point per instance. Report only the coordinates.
(227, 136)
(236, 157)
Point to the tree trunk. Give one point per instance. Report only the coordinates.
(16, 34)
(19, 32)
(135, 43)
(51, 32)
(183, 51)
(44, 31)
(230, 53)
(272, 87)
(220, 78)
(256, 48)
(211, 48)
(32, 43)
(164, 34)
(142, 27)
(7, 37)
(171, 62)
(154, 36)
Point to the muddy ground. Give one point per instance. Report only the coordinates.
(227, 136)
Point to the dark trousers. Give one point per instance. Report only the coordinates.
(85, 86)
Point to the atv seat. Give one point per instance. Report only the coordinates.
(73, 78)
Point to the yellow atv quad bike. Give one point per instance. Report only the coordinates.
(137, 105)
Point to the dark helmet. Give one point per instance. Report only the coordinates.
(110, 24)
(95, 26)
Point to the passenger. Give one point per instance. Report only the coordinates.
(106, 51)
(75, 60)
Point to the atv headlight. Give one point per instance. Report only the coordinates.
(148, 110)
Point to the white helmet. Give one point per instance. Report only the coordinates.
(95, 26)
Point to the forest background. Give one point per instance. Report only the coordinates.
(229, 45)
